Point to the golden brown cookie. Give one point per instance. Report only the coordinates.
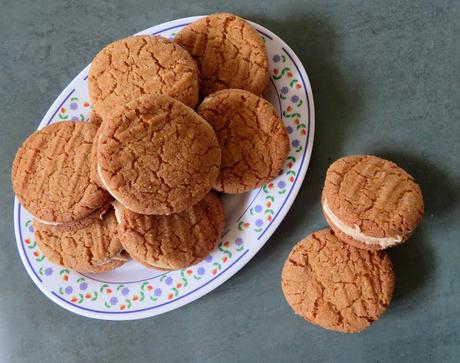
(138, 65)
(370, 202)
(229, 52)
(157, 156)
(94, 118)
(89, 248)
(253, 139)
(51, 173)
(335, 285)
(174, 241)
(94, 168)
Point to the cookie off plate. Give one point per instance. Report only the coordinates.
(134, 291)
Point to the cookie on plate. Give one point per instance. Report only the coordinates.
(94, 118)
(174, 241)
(335, 285)
(138, 65)
(157, 156)
(51, 173)
(93, 246)
(94, 166)
(253, 139)
(229, 52)
(370, 202)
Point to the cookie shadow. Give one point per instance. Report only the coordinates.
(414, 261)
(440, 193)
(414, 266)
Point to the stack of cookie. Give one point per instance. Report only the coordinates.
(341, 278)
(137, 179)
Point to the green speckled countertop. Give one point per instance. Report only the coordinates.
(385, 77)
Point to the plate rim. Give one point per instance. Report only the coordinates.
(238, 264)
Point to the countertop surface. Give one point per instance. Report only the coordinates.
(385, 78)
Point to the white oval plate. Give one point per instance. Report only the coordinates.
(133, 291)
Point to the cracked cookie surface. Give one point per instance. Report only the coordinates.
(89, 247)
(229, 52)
(157, 156)
(335, 285)
(51, 173)
(94, 165)
(138, 65)
(94, 118)
(174, 241)
(253, 139)
(375, 197)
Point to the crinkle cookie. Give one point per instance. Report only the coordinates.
(229, 52)
(157, 156)
(51, 173)
(253, 139)
(89, 247)
(335, 285)
(370, 202)
(138, 65)
(174, 241)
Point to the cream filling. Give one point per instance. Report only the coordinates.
(355, 232)
(117, 257)
(118, 208)
(106, 186)
(61, 223)
(45, 222)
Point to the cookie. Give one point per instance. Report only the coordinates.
(94, 166)
(370, 202)
(229, 52)
(94, 118)
(157, 156)
(91, 247)
(253, 139)
(174, 241)
(51, 173)
(337, 286)
(138, 65)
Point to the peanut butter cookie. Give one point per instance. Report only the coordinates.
(370, 202)
(174, 241)
(253, 139)
(88, 247)
(51, 173)
(157, 156)
(335, 285)
(94, 118)
(138, 65)
(229, 52)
